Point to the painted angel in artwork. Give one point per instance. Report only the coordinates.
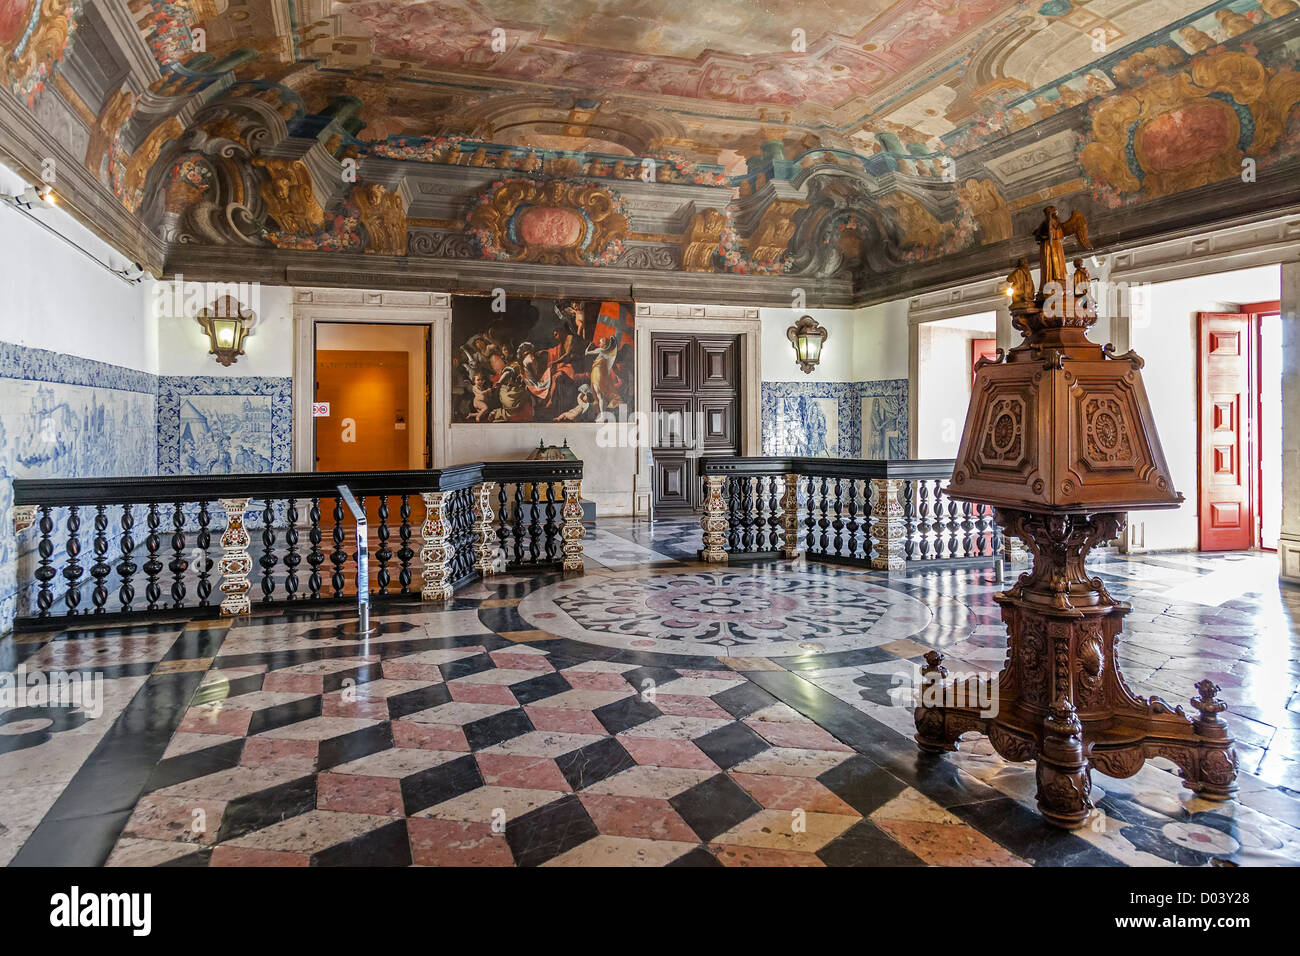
(603, 381)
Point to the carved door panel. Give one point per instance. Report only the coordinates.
(695, 399)
(1227, 478)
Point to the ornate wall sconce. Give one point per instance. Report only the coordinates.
(807, 337)
(226, 324)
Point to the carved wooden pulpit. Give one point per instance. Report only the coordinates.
(1059, 439)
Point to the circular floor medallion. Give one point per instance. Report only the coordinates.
(726, 612)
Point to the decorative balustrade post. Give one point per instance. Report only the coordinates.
(714, 521)
(24, 517)
(485, 544)
(435, 554)
(790, 517)
(888, 529)
(572, 530)
(236, 562)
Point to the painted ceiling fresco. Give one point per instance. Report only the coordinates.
(828, 139)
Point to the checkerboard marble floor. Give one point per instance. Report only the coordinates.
(652, 712)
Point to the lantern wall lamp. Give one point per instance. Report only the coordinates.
(226, 323)
(807, 337)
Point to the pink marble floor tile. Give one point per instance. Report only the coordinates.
(654, 752)
(565, 721)
(437, 842)
(642, 817)
(512, 770)
(429, 736)
(355, 793)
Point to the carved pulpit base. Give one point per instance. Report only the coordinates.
(1060, 698)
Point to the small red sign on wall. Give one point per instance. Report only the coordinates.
(320, 409)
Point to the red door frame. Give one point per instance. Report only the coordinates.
(1257, 311)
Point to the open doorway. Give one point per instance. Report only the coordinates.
(371, 397)
(947, 350)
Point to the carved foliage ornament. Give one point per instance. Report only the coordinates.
(551, 222)
(1178, 131)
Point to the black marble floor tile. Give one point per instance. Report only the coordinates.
(548, 831)
(354, 746)
(744, 699)
(714, 806)
(626, 713)
(438, 784)
(1025, 834)
(387, 845)
(539, 688)
(594, 762)
(498, 727)
(732, 744)
(865, 844)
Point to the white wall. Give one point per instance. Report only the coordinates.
(55, 298)
(837, 363)
(1166, 339)
(880, 341)
(944, 382)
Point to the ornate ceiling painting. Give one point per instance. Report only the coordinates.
(853, 144)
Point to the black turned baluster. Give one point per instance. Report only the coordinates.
(338, 556)
(126, 568)
(735, 525)
(852, 524)
(534, 525)
(519, 524)
(552, 528)
(405, 553)
(384, 554)
(503, 521)
(101, 569)
(72, 570)
(909, 518)
(824, 522)
(203, 541)
(152, 566)
(760, 514)
(954, 528)
(810, 522)
(837, 523)
(178, 565)
(747, 514)
(268, 560)
(923, 523)
(315, 556)
(45, 572)
(291, 557)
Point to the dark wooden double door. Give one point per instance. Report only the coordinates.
(695, 394)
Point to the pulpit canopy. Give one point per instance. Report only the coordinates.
(1059, 423)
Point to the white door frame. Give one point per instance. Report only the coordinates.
(358, 306)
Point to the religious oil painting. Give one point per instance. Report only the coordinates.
(541, 360)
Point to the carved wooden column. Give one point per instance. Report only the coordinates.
(714, 521)
(888, 529)
(572, 530)
(486, 545)
(790, 517)
(435, 553)
(236, 562)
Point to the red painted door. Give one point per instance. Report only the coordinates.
(1226, 432)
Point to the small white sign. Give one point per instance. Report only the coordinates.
(320, 409)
